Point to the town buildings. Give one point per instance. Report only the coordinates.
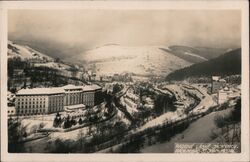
(224, 94)
(38, 101)
(217, 84)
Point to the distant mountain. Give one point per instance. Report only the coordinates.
(194, 54)
(143, 60)
(226, 64)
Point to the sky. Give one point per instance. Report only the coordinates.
(69, 32)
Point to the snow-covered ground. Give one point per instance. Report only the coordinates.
(169, 116)
(25, 52)
(206, 102)
(32, 124)
(53, 65)
(195, 55)
(179, 94)
(195, 133)
(111, 59)
(72, 135)
(39, 59)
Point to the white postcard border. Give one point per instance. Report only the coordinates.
(127, 5)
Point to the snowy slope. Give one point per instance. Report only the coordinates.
(145, 60)
(25, 52)
(194, 54)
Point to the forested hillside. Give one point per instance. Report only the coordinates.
(224, 65)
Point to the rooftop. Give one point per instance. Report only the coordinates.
(215, 78)
(56, 90)
(94, 87)
(41, 91)
(71, 86)
(87, 88)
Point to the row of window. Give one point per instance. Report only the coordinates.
(30, 106)
(29, 99)
(30, 102)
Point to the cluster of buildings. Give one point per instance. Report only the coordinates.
(217, 84)
(37, 101)
(220, 87)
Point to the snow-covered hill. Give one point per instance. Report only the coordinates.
(145, 60)
(38, 59)
(25, 52)
(194, 54)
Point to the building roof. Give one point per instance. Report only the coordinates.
(40, 91)
(94, 87)
(91, 87)
(87, 88)
(56, 90)
(215, 78)
(225, 90)
(71, 86)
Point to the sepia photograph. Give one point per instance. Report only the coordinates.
(124, 81)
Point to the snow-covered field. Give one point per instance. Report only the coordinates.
(111, 59)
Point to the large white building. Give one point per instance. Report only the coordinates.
(224, 95)
(37, 101)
